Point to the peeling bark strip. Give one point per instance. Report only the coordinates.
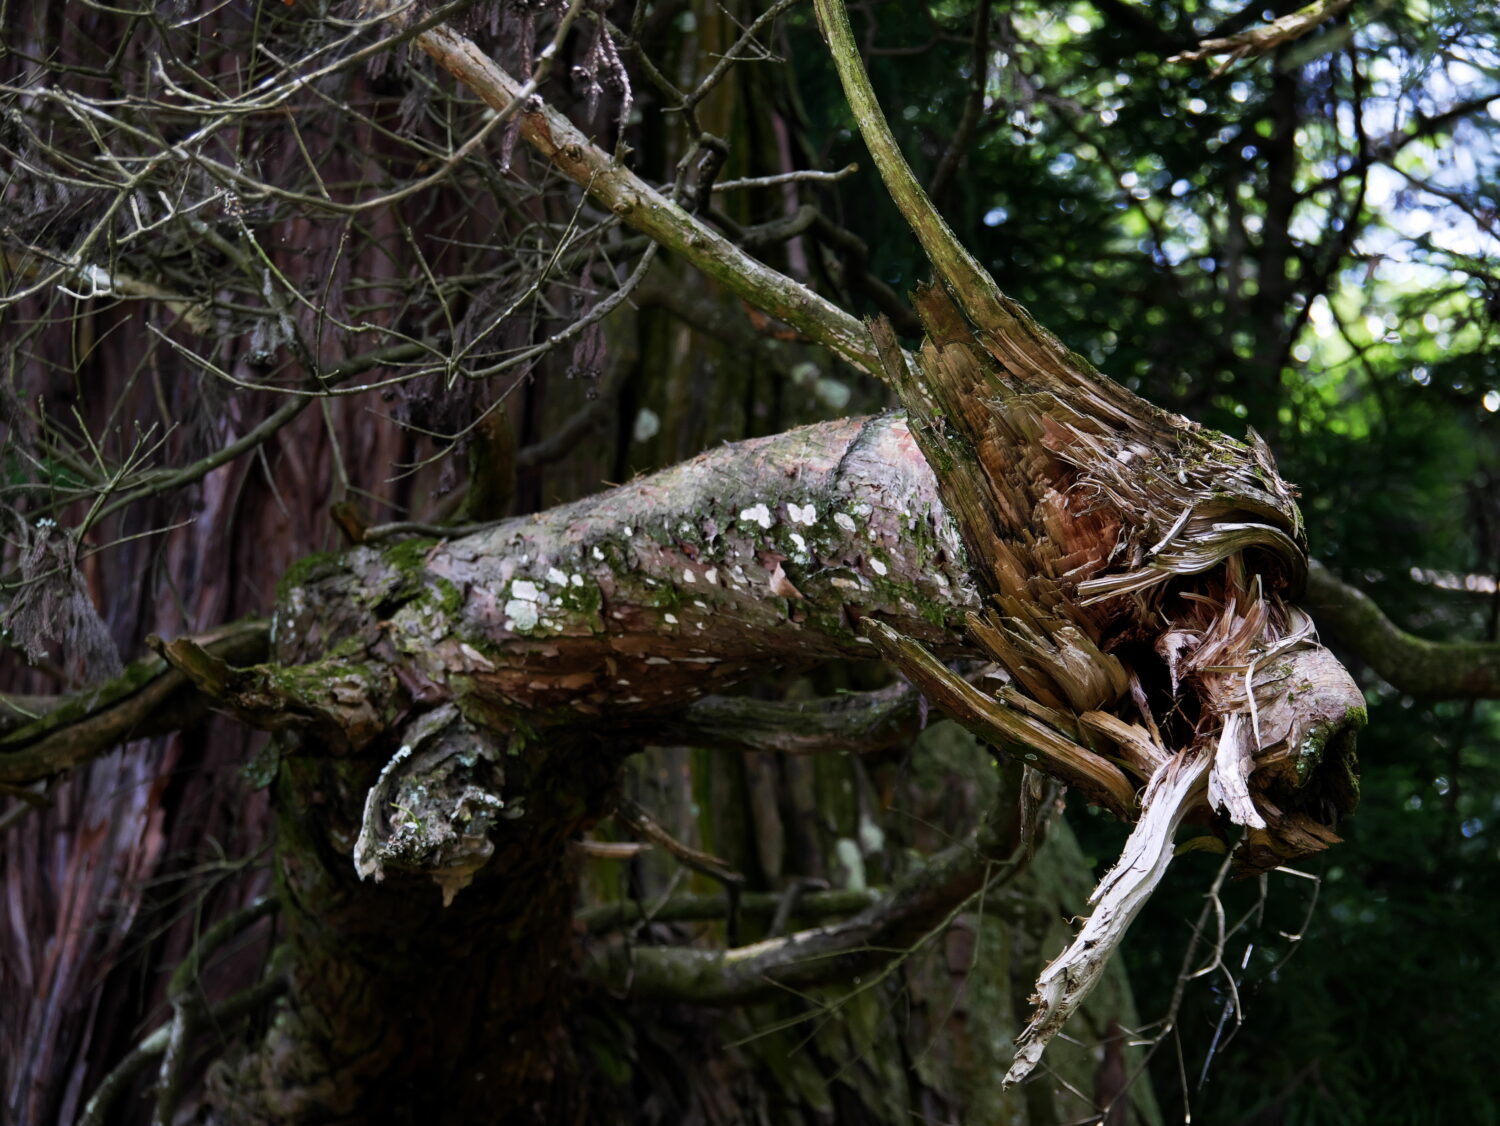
(1116, 901)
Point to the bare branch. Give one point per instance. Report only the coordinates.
(889, 929)
(801, 176)
(647, 210)
(117, 1082)
(1265, 37)
(644, 825)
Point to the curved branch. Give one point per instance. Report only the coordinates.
(889, 928)
(188, 1009)
(115, 1084)
(1435, 669)
(704, 908)
(970, 281)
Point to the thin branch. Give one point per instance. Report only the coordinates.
(970, 281)
(188, 1009)
(263, 430)
(801, 176)
(117, 1082)
(963, 135)
(647, 210)
(1265, 37)
(644, 825)
(885, 931)
(148, 698)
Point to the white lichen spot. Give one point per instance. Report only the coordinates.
(698, 602)
(599, 555)
(646, 426)
(657, 661)
(522, 615)
(624, 682)
(556, 577)
(575, 580)
(757, 514)
(688, 576)
(711, 576)
(804, 514)
(844, 520)
(670, 619)
(475, 656)
(878, 567)
(799, 542)
(629, 531)
(524, 589)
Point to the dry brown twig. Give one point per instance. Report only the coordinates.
(1265, 38)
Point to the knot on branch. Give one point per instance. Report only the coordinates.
(434, 805)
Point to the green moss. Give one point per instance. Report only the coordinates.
(135, 677)
(347, 648)
(409, 556)
(261, 770)
(584, 600)
(306, 570)
(450, 600)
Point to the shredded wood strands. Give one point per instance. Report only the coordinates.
(1117, 900)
